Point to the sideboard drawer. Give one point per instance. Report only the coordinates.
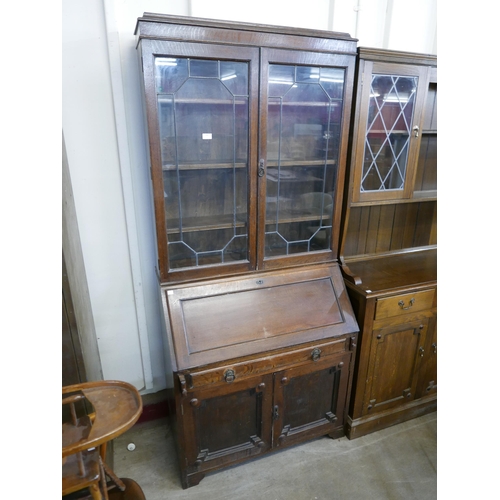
(403, 304)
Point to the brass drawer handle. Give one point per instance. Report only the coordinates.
(401, 304)
(229, 376)
(315, 354)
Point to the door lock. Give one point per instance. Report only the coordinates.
(261, 170)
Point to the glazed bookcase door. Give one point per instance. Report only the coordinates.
(304, 114)
(426, 176)
(389, 131)
(201, 103)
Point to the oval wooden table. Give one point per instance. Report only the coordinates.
(99, 412)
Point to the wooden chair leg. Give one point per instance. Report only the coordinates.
(118, 482)
(104, 482)
(95, 491)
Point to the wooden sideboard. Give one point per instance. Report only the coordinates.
(396, 370)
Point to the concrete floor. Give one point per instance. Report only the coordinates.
(397, 463)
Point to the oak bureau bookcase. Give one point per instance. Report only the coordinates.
(248, 138)
(389, 242)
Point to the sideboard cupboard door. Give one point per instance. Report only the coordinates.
(395, 356)
(309, 400)
(427, 377)
(224, 425)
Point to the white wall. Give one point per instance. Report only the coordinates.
(90, 134)
(389, 24)
(105, 142)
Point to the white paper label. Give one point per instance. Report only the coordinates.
(206, 137)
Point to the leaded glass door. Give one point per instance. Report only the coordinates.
(303, 114)
(426, 176)
(202, 155)
(390, 118)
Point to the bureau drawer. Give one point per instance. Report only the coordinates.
(260, 365)
(404, 304)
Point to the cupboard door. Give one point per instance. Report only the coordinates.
(201, 102)
(394, 361)
(389, 130)
(309, 400)
(304, 113)
(427, 377)
(223, 425)
(426, 176)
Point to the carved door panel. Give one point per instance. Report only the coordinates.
(309, 400)
(225, 424)
(427, 377)
(395, 356)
